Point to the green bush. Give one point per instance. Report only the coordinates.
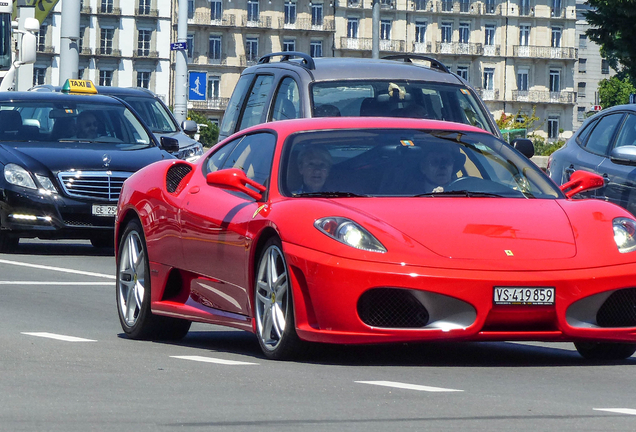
(208, 131)
(543, 148)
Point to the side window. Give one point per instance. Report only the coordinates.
(582, 137)
(286, 101)
(230, 118)
(257, 101)
(601, 137)
(254, 156)
(627, 135)
(215, 161)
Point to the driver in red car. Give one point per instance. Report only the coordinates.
(439, 165)
(314, 163)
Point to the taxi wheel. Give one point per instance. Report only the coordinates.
(133, 292)
(274, 306)
(605, 351)
(7, 242)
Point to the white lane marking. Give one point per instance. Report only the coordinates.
(213, 360)
(408, 386)
(58, 269)
(618, 410)
(58, 337)
(54, 283)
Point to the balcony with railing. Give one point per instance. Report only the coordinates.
(107, 52)
(86, 10)
(422, 47)
(216, 60)
(541, 96)
(366, 44)
(85, 51)
(488, 95)
(108, 10)
(245, 61)
(217, 103)
(146, 12)
(259, 21)
(205, 19)
(459, 48)
(144, 53)
(544, 52)
(306, 24)
(458, 7)
(45, 49)
(492, 50)
(351, 4)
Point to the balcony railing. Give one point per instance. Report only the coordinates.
(488, 95)
(422, 47)
(538, 96)
(45, 49)
(86, 10)
(366, 44)
(246, 61)
(531, 51)
(260, 21)
(147, 12)
(492, 50)
(141, 53)
(86, 51)
(218, 103)
(112, 52)
(201, 18)
(108, 10)
(353, 4)
(219, 61)
(307, 24)
(458, 48)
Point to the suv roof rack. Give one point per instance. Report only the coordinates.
(307, 60)
(408, 58)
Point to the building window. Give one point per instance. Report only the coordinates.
(252, 10)
(315, 49)
(420, 5)
(41, 39)
(553, 127)
(555, 81)
(39, 75)
(105, 77)
(524, 7)
(580, 113)
(581, 93)
(464, 6)
(522, 80)
(143, 79)
(447, 32)
(557, 9)
(214, 87)
(352, 28)
(464, 33)
(604, 66)
(385, 29)
(80, 42)
(582, 65)
(556, 37)
(251, 49)
(107, 6)
(190, 50)
(106, 41)
(216, 10)
(144, 7)
(489, 6)
(290, 12)
(489, 79)
(524, 35)
(214, 52)
(462, 71)
(447, 6)
(143, 43)
(316, 14)
(80, 73)
(490, 34)
(420, 31)
(289, 45)
(582, 41)
(190, 9)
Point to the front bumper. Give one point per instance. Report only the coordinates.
(327, 293)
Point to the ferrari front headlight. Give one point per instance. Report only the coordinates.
(16, 175)
(350, 233)
(625, 234)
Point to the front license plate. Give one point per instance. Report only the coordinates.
(523, 296)
(104, 210)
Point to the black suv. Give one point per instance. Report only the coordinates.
(300, 86)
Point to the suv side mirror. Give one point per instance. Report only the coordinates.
(235, 179)
(524, 145)
(581, 181)
(624, 155)
(189, 127)
(170, 145)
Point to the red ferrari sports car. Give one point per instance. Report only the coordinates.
(378, 230)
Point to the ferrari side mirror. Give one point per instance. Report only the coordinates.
(581, 181)
(235, 179)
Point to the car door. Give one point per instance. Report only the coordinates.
(214, 223)
(620, 186)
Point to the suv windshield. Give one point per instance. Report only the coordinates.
(398, 98)
(408, 162)
(48, 121)
(152, 111)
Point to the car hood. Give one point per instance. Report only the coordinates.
(80, 156)
(479, 228)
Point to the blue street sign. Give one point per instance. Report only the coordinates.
(197, 86)
(176, 46)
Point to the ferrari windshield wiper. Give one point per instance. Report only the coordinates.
(464, 193)
(329, 195)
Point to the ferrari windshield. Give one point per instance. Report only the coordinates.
(55, 122)
(398, 98)
(408, 162)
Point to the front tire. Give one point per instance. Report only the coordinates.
(605, 351)
(133, 292)
(274, 305)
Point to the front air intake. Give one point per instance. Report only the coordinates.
(175, 174)
(619, 310)
(392, 308)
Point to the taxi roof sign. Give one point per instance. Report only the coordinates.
(79, 86)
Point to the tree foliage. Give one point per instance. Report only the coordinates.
(614, 91)
(208, 131)
(614, 29)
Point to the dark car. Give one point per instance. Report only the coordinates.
(606, 145)
(64, 158)
(300, 86)
(155, 114)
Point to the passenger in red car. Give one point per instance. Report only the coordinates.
(314, 163)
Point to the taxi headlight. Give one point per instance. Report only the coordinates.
(625, 234)
(16, 175)
(350, 233)
(46, 183)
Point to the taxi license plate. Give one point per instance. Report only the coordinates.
(523, 296)
(104, 210)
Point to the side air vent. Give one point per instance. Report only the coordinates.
(619, 310)
(176, 173)
(392, 308)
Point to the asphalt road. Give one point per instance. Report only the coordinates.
(65, 366)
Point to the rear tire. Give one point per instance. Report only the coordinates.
(133, 292)
(274, 305)
(605, 351)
